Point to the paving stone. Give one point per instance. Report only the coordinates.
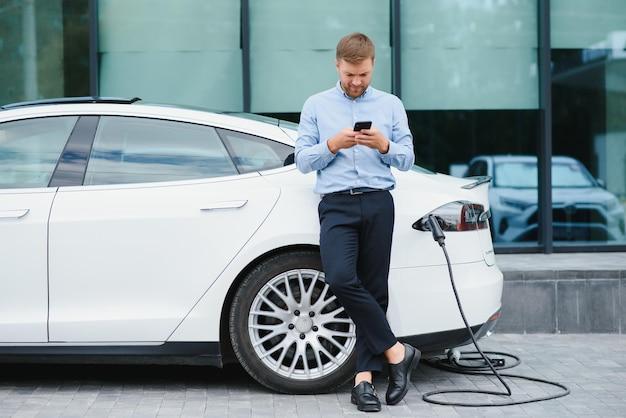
(622, 299)
(604, 302)
(540, 306)
(512, 319)
(592, 365)
(572, 306)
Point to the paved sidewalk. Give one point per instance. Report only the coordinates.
(592, 365)
(562, 262)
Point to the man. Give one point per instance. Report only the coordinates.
(356, 211)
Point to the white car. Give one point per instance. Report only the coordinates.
(160, 234)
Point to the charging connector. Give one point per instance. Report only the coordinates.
(432, 224)
(435, 229)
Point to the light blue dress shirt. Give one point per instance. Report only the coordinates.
(326, 113)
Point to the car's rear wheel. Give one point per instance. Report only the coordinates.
(287, 328)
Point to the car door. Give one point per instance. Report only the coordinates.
(29, 152)
(161, 213)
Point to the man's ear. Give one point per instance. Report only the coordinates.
(337, 64)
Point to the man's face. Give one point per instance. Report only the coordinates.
(355, 78)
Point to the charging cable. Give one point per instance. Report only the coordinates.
(433, 225)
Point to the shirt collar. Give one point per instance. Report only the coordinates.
(364, 94)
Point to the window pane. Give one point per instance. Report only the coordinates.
(294, 59)
(44, 49)
(586, 23)
(252, 153)
(185, 51)
(445, 139)
(467, 54)
(138, 150)
(470, 86)
(30, 150)
(589, 121)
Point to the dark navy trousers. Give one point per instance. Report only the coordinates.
(355, 242)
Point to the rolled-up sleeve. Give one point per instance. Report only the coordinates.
(311, 153)
(400, 153)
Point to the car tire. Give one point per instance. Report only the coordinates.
(277, 339)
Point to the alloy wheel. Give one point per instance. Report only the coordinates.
(297, 327)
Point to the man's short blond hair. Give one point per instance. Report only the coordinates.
(354, 48)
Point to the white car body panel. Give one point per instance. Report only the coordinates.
(132, 263)
(23, 264)
(421, 300)
(147, 253)
(414, 254)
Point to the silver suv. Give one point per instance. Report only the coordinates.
(582, 210)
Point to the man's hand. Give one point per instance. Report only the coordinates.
(344, 139)
(373, 138)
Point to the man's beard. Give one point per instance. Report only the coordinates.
(354, 91)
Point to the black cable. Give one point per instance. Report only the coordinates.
(440, 238)
(453, 365)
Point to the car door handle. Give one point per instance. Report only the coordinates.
(13, 214)
(228, 204)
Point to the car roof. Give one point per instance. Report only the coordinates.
(244, 122)
(62, 100)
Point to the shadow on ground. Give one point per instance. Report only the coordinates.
(119, 375)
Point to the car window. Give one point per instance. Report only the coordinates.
(252, 153)
(139, 150)
(30, 150)
(478, 168)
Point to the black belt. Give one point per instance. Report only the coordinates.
(358, 190)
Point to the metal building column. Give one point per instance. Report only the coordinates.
(245, 53)
(396, 70)
(545, 127)
(94, 64)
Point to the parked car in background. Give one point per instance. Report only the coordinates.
(160, 234)
(582, 210)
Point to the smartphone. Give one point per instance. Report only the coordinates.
(366, 124)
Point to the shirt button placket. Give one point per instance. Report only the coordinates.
(354, 120)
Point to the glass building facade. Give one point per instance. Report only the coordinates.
(530, 92)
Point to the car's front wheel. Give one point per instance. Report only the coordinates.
(287, 328)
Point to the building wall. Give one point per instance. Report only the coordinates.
(469, 76)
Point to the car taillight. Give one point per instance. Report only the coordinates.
(458, 216)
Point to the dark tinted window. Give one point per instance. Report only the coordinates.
(139, 150)
(252, 153)
(30, 149)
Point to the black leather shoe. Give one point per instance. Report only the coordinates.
(365, 398)
(400, 375)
